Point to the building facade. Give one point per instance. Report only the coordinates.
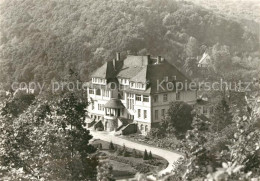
(135, 92)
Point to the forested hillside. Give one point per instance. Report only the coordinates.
(41, 40)
(244, 11)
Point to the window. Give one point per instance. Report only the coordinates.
(145, 98)
(91, 91)
(166, 78)
(138, 97)
(106, 93)
(141, 127)
(178, 96)
(156, 114)
(163, 112)
(155, 98)
(205, 111)
(165, 97)
(146, 128)
(145, 114)
(139, 86)
(100, 107)
(98, 92)
(139, 113)
(129, 116)
(130, 101)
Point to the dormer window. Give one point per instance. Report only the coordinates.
(137, 85)
(166, 78)
(99, 81)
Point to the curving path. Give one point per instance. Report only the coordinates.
(171, 157)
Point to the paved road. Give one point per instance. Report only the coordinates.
(171, 157)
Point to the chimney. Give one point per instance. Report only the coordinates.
(149, 59)
(114, 64)
(158, 60)
(117, 56)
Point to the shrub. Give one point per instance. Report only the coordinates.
(145, 157)
(111, 146)
(125, 153)
(100, 146)
(134, 153)
(150, 156)
(119, 152)
(142, 168)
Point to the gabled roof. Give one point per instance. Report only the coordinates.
(141, 76)
(157, 73)
(114, 103)
(101, 72)
(205, 59)
(108, 70)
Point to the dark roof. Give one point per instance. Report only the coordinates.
(144, 70)
(108, 70)
(203, 102)
(129, 72)
(114, 103)
(141, 76)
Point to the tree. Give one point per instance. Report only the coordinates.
(124, 148)
(191, 66)
(192, 47)
(111, 146)
(105, 172)
(100, 146)
(72, 111)
(179, 116)
(150, 156)
(125, 153)
(156, 133)
(17, 104)
(145, 157)
(134, 153)
(222, 115)
(36, 145)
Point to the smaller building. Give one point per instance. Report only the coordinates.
(204, 107)
(204, 61)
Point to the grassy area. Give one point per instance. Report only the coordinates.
(128, 164)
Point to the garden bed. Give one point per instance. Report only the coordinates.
(127, 163)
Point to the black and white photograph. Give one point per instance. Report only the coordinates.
(129, 90)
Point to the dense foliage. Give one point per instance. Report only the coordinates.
(179, 118)
(229, 155)
(47, 141)
(39, 37)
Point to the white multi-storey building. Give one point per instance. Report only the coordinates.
(134, 94)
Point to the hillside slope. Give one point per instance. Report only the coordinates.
(41, 40)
